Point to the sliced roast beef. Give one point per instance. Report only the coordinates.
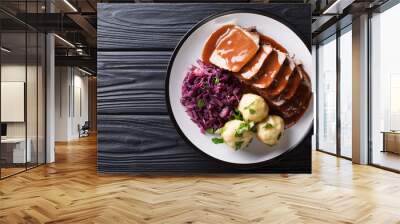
(270, 69)
(282, 80)
(254, 66)
(235, 48)
(294, 83)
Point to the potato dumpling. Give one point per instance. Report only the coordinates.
(270, 130)
(253, 107)
(236, 134)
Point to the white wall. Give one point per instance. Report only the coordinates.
(80, 110)
(9, 73)
(17, 73)
(13, 72)
(13, 101)
(62, 82)
(71, 102)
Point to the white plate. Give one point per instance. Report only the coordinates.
(189, 51)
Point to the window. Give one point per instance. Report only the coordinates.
(326, 108)
(346, 92)
(385, 89)
(334, 109)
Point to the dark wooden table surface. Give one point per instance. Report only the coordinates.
(135, 134)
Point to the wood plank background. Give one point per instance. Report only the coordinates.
(135, 134)
(161, 26)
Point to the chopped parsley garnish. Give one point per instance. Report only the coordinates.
(237, 115)
(251, 110)
(238, 144)
(215, 80)
(210, 130)
(200, 103)
(243, 127)
(220, 131)
(248, 106)
(238, 134)
(252, 126)
(268, 126)
(217, 140)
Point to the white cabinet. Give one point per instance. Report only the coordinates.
(19, 155)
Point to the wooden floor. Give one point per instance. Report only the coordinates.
(5, 172)
(70, 191)
(387, 159)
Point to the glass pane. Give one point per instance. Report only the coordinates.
(41, 98)
(385, 84)
(346, 94)
(31, 98)
(13, 87)
(22, 89)
(327, 96)
(31, 87)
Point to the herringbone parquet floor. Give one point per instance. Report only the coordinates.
(70, 191)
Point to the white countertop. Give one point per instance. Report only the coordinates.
(13, 140)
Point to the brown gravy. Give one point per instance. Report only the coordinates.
(269, 70)
(232, 49)
(211, 43)
(295, 108)
(294, 83)
(254, 66)
(268, 40)
(282, 80)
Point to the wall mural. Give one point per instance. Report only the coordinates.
(204, 88)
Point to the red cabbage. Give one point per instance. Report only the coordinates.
(210, 95)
